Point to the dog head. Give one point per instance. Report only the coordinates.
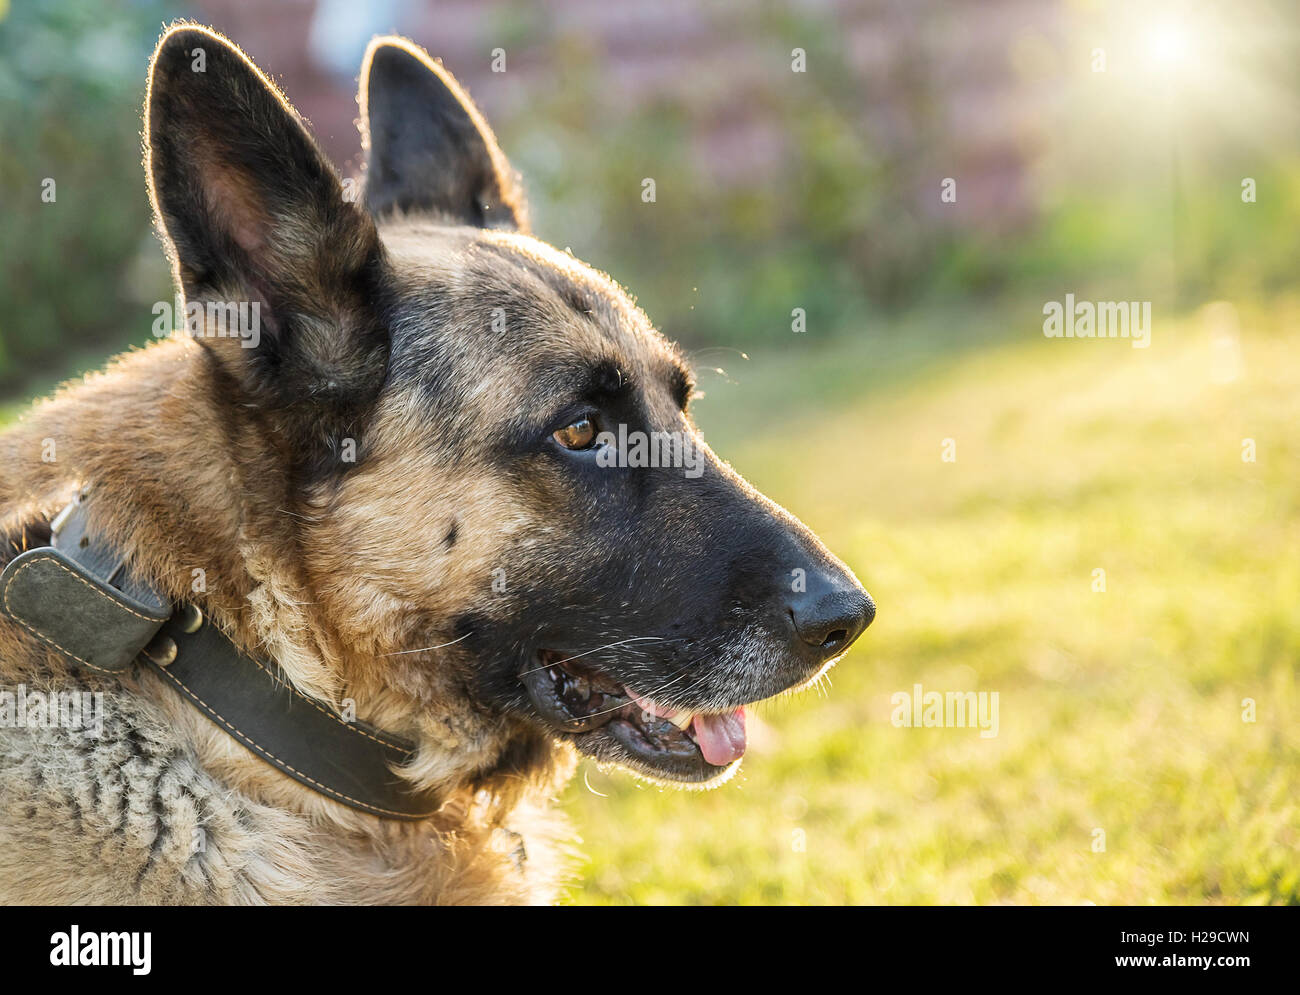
(499, 487)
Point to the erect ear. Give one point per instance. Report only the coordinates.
(254, 215)
(427, 146)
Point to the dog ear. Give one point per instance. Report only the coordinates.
(254, 215)
(427, 146)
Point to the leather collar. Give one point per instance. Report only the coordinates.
(79, 597)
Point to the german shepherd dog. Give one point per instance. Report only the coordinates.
(407, 496)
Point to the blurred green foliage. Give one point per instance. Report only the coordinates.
(1127, 185)
(1128, 182)
(719, 258)
(71, 88)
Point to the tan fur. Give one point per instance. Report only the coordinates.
(73, 817)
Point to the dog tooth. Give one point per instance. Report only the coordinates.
(682, 720)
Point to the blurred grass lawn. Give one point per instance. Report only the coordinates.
(1119, 711)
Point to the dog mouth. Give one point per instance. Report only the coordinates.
(611, 722)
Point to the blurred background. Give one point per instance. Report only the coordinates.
(861, 208)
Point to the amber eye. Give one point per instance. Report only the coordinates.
(580, 435)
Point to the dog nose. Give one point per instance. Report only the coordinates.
(831, 613)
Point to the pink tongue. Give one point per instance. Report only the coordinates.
(721, 737)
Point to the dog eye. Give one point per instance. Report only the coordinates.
(580, 435)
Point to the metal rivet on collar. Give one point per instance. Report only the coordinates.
(161, 651)
(189, 618)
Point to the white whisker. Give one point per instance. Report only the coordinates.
(425, 649)
(621, 642)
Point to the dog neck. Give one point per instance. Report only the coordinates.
(194, 489)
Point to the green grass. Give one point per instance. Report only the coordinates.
(1119, 711)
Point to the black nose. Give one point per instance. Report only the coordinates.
(831, 613)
